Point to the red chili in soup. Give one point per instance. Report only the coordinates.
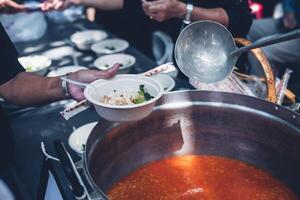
(202, 178)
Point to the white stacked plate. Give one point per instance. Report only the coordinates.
(166, 81)
(35, 64)
(84, 39)
(65, 70)
(110, 46)
(105, 62)
(78, 138)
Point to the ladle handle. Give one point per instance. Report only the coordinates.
(273, 40)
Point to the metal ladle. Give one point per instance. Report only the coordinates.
(206, 51)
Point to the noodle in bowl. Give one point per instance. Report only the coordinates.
(119, 99)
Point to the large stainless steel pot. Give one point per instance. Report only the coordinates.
(196, 122)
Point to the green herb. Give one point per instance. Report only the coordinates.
(106, 65)
(111, 48)
(143, 96)
(29, 69)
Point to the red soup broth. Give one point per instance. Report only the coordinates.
(199, 177)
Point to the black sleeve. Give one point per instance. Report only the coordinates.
(9, 64)
(240, 19)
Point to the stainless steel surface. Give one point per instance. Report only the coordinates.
(206, 51)
(198, 122)
(200, 52)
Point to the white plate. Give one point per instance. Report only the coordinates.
(79, 137)
(106, 62)
(110, 46)
(166, 81)
(84, 39)
(36, 64)
(65, 70)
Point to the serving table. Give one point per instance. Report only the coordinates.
(34, 125)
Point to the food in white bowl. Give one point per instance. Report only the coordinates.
(78, 138)
(110, 46)
(65, 70)
(166, 81)
(84, 39)
(105, 62)
(130, 83)
(36, 64)
(127, 97)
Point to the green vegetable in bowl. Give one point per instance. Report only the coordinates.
(143, 96)
(29, 69)
(111, 48)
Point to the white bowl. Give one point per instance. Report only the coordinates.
(166, 81)
(36, 64)
(108, 61)
(84, 39)
(110, 46)
(78, 138)
(95, 91)
(65, 70)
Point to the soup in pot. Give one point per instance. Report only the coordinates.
(202, 178)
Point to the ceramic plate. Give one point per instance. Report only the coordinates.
(106, 62)
(84, 39)
(110, 46)
(165, 80)
(36, 64)
(65, 70)
(78, 138)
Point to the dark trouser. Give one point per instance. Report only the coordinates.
(279, 55)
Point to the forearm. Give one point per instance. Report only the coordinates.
(215, 14)
(29, 90)
(103, 4)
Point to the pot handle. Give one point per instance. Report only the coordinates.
(70, 170)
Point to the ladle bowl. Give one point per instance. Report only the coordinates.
(200, 52)
(206, 51)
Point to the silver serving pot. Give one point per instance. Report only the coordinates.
(203, 123)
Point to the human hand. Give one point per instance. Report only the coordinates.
(162, 10)
(9, 6)
(290, 21)
(58, 4)
(88, 76)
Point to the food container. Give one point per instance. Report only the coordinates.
(110, 46)
(229, 125)
(95, 92)
(84, 39)
(35, 64)
(126, 62)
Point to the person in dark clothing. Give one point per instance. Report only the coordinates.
(16, 86)
(282, 54)
(135, 20)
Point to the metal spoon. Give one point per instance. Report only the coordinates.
(167, 67)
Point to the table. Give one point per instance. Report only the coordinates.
(31, 126)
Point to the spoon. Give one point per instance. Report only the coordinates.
(167, 67)
(205, 50)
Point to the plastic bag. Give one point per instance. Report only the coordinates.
(24, 27)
